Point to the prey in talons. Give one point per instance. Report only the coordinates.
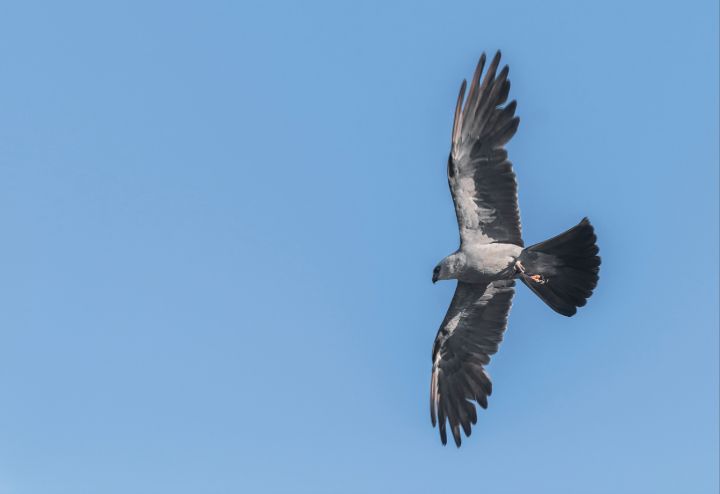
(537, 278)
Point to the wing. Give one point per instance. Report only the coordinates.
(470, 333)
(482, 180)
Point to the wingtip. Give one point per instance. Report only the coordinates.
(457, 118)
(482, 401)
(458, 439)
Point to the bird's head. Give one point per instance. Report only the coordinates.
(448, 268)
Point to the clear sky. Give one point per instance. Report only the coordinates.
(220, 221)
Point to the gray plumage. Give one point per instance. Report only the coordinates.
(562, 271)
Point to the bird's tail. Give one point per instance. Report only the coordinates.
(563, 271)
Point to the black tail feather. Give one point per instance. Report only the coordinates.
(568, 265)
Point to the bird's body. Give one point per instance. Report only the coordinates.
(484, 263)
(562, 271)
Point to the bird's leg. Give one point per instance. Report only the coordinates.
(537, 278)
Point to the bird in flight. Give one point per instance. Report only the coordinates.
(562, 271)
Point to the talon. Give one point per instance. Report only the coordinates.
(519, 267)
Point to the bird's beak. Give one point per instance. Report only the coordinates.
(435, 278)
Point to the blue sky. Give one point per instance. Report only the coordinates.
(220, 221)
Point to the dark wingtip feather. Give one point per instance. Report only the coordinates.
(482, 401)
(457, 125)
(473, 93)
(504, 73)
(492, 69)
(504, 93)
(478, 69)
(473, 414)
(466, 428)
(456, 435)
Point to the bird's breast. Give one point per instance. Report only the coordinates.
(489, 262)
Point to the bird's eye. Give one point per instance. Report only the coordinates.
(436, 270)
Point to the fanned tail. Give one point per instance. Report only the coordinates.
(563, 271)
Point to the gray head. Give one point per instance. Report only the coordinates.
(449, 268)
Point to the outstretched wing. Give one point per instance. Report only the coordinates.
(482, 180)
(470, 333)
